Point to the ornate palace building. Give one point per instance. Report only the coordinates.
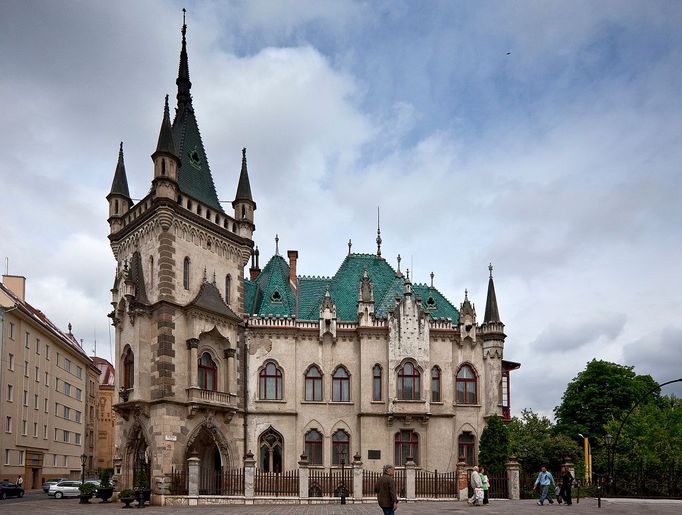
(212, 363)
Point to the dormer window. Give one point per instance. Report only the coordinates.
(276, 297)
(430, 303)
(195, 158)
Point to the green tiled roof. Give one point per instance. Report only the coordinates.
(343, 288)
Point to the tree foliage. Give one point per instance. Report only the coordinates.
(597, 395)
(494, 445)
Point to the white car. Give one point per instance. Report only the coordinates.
(69, 488)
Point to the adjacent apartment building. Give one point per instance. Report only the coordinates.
(49, 390)
(106, 417)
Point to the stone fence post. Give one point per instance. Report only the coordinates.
(513, 483)
(462, 480)
(410, 479)
(303, 478)
(357, 478)
(249, 477)
(193, 463)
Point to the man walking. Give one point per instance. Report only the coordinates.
(477, 485)
(385, 490)
(543, 483)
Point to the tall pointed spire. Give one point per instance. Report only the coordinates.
(378, 234)
(183, 82)
(119, 185)
(244, 186)
(166, 143)
(491, 312)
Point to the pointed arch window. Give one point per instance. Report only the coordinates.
(435, 384)
(163, 167)
(271, 447)
(313, 447)
(270, 382)
(313, 384)
(185, 273)
(116, 206)
(376, 382)
(228, 287)
(406, 445)
(340, 447)
(341, 385)
(466, 385)
(208, 372)
(409, 383)
(128, 368)
(466, 444)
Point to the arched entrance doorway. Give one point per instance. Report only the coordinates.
(139, 460)
(205, 448)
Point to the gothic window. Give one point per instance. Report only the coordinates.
(435, 384)
(341, 385)
(409, 382)
(270, 382)
(185, 273)
(128, 368)
(376, 383)
(151, 271)
(465, 385)
(313, 384)
(208, 372)
(466, 447)
(340, 447)
(163, 167)
(228, 287)
(313, 447)
(116, 206)
(406, 446)
(271, 448)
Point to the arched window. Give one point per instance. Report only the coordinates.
(208, 372)
(228, 287)
(340, 385)
(270, 382)
(466, 447)
(435, 384)
(116, 206)
(406, 445)
(128, 368)
(376, 383)
(409, 383)
(313, 384)
(340, 447)
(465, 385)
(313, 447)
(185, 273)
(163, 167)
(271, 448)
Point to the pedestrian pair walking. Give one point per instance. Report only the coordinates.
(479, 483)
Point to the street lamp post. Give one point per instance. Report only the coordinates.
(609, 460)
(84, 458)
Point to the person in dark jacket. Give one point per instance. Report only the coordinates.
(566, 486)
(385, 490)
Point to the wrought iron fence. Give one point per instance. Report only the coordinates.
(276, 484)
(178, 483)
(225, 482)
(499, 486)
(332, 483)
(435, 484)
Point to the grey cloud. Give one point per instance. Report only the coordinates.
(562, 337)
(659, 354)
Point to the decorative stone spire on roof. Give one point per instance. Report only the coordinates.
(244, 186)
(466, 307)
(350, 245)
(491, 312)
(119, 185)
(398, 272)
(183, 82)
(378, 234)
(166, 143)
(408, 283)
(432, 275)
(276, 244)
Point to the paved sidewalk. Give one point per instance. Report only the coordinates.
(609, 506)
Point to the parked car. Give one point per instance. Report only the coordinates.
(65, 489)
(49, 482)
(8, 489)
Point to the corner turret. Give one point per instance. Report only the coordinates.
(492, 334)
(243, 203)
(119, 196)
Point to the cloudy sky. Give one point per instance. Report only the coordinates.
(542, 136)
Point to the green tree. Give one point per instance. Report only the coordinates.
(598, 394)
(494, 445)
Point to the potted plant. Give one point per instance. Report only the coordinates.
(126, 496)
(106, 489)
(87, 490)
(142, 491)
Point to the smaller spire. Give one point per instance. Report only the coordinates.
(244, 186)
(408, 283)
(69, 327)
(432, 274)
(378, 234)
(350, 245)
(166, 143)
(399, 260)
(119, 185)
(257, 253)
(183, 82)
(466, 294)
(492, 313)
(490, 267)
(276, 244)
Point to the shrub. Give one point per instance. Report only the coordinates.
(87, 488)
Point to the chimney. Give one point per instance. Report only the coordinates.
(16, 284)
(293, 257)
(254, 271)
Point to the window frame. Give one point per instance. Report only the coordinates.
(341, 385)
(436, 384)
(405, 439)
(205, 371)
(414, 379)
(313, 447)
(468, 383)
(377, 383)
(340, 446)
(264, 379)
(316, 384)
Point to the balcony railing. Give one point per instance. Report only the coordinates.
(212, 397)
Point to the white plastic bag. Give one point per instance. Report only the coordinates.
(478, 492)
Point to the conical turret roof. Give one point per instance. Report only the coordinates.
(491, 312)
(166, 143)
(119, 185)
(244, 186)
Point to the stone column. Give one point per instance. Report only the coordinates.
(249, 477)
(230, 356)
(193, 463)
(193, 345)
(303, 478)
(513, 483)
(462, 479)
(410, 479)
(357, 478)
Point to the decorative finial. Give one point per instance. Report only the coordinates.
(120, 150)
(213, 277)
(257, 253)
(243, 152)
(204, 274)
(69, 327)
(378, 234)
(399, 259)
(466, 294)
(350, 244)
(490, 267)
(276, 244)
(184, 24)
(165, 107)
(408, 275)
(432, 274)
(326, 292)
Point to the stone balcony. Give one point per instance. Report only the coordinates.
(200, 400)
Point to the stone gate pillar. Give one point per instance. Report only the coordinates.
(249, 477)
(462, 480)
(357, 478)
(303, 478)
(513, 483)
(410, 479)
(193, 463)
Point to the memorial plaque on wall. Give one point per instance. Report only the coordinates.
(373, 454)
